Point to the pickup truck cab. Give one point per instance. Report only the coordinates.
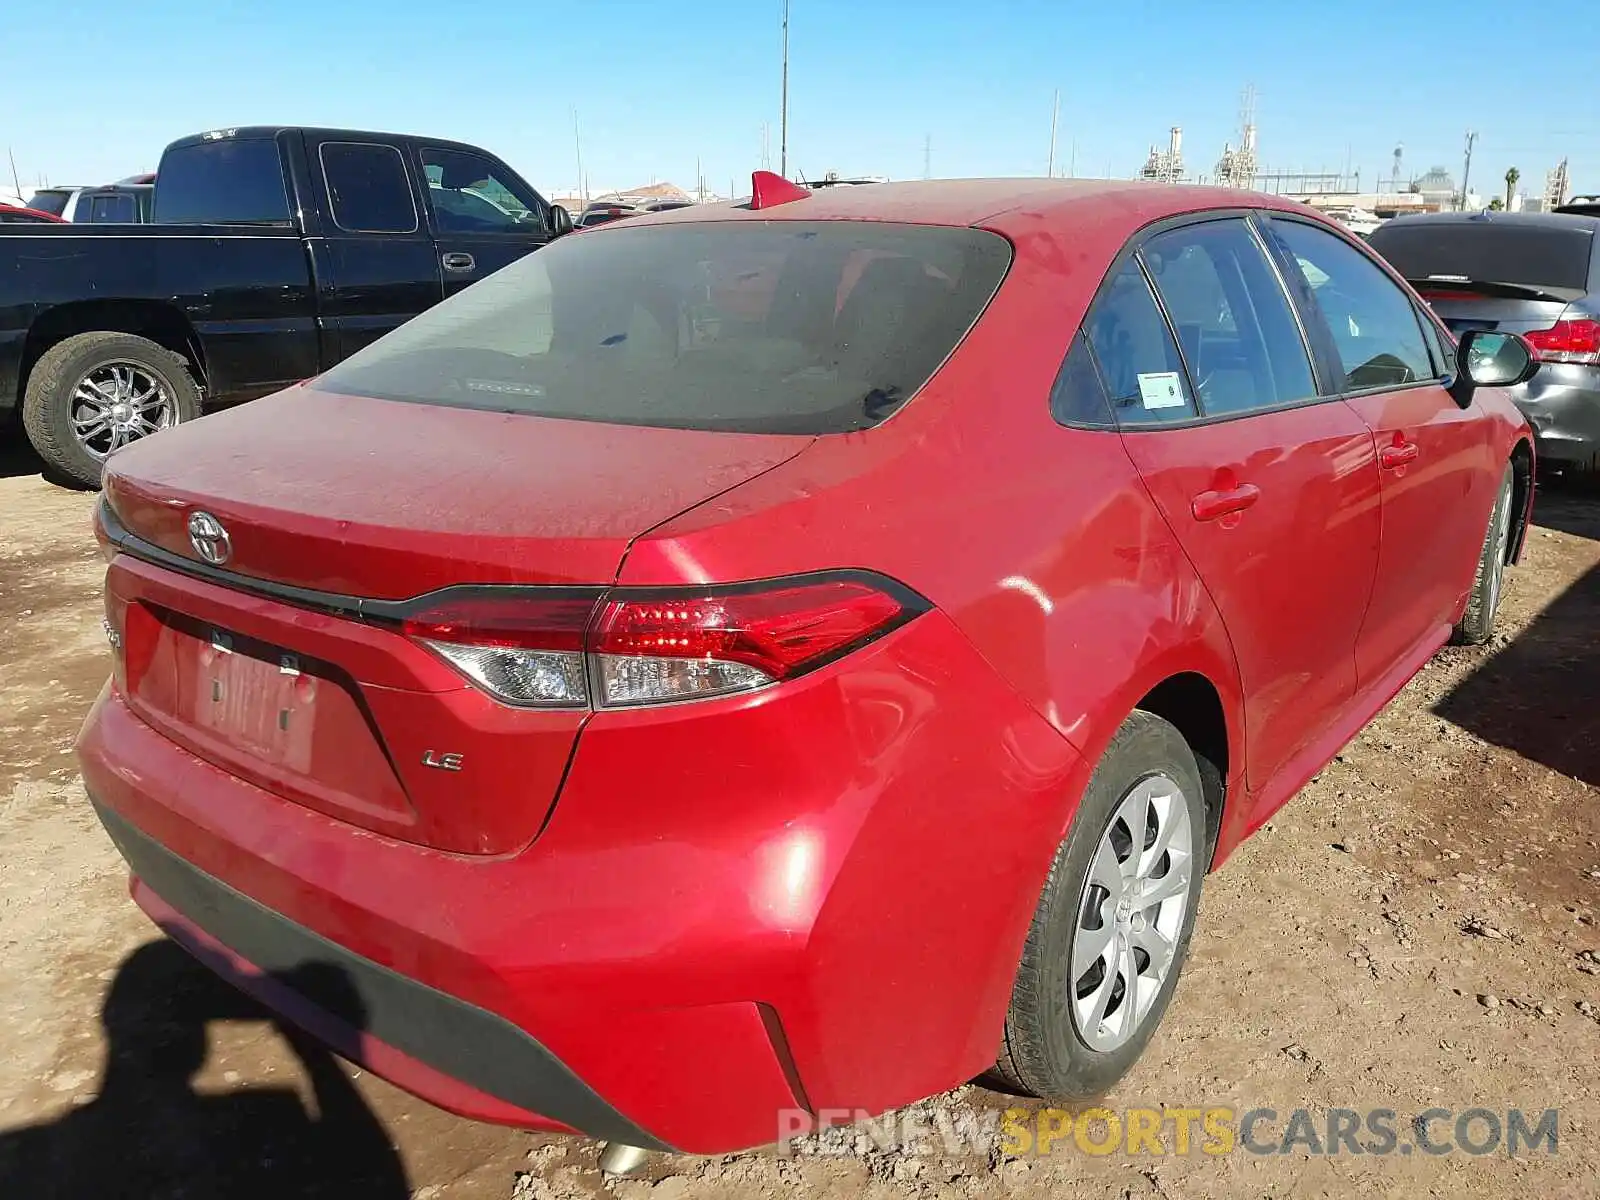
(273, 253)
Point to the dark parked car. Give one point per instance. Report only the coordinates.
(312, 243)
(1537, 274)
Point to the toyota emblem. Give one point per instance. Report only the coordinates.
(209, 538)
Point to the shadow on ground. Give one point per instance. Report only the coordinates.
(1540, 695)
(148, 1134)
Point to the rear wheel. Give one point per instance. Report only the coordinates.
(94, 393)
(1477, 622)
(1111, 932)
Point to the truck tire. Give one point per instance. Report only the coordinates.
(95, 392)
(1112, 928)
(1477, 622)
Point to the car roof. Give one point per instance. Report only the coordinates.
(1489, 220)
(320, 134)
(1005, 205)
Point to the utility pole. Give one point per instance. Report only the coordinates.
(14, 176)
(577, 142)
(1466, 170)
(927, 157)
(1055, 114)
(783, 128)
(1072, 170)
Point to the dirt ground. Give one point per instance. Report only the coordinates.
(1416, 929)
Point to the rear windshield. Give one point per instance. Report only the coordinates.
(224, 181)
(1524, 255)
(777, 327)
(52, 202)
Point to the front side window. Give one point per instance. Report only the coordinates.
(1234, 322)
(1138, 359)
(779, 327)
(368, 191)
(470, 194)
(224, 181)
(1373, 324)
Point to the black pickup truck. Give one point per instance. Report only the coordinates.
(273, 254)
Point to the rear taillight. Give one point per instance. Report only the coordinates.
(634, 646)
(523, 647)
(1567, 341)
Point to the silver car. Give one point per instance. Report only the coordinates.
(1537, 274)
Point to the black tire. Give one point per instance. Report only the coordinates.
(1477, 622)
(47, 408)
(1044, 1053)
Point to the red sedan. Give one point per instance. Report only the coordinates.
(789, 657)
(11, 214)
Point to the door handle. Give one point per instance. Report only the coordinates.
(457, 261)
(1399, 454)
(1208, 506)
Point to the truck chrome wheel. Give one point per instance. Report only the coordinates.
(117, 403)
(1131, 914)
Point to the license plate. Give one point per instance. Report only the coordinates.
(263, 707)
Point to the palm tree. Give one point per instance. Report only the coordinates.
(1511, 185)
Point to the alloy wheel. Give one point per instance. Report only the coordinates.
(1131, 913)
(119, 402)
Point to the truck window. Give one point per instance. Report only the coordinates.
(115, 208)
(368, 190)
(229, 181)
(468, 193)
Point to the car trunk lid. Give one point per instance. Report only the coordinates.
(269, 664)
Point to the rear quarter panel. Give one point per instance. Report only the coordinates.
(1040, 541)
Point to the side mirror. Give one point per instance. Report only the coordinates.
(560, 220)
(1488, 359)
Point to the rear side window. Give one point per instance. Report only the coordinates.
(1138, 359)
(1079, 397)
(1238, 333)
(229, 181)
(1370, 316)
(368, 191)
(770, 327)
(1551, 258)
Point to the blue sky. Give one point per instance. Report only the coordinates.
(95, 89)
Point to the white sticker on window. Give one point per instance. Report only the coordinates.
(1161, 389)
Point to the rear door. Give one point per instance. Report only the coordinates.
(375, 243)
(1437, 478)
(483, 215)
(1267, 479)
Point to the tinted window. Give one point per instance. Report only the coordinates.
(367, 188)
(1079, 397)
(1137, 356)
(1540, 256)
(787, 327)
(51, 201)
(1373, 324)
(470, 194)
(1238, 333)
(229, 181)
(115, 208)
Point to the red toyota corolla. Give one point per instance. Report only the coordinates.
(789, 656)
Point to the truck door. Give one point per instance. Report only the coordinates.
(483, 215)
(375, 242)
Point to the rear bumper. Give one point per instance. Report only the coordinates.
(1562, 403)
(422, 1038)
(697, 941)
